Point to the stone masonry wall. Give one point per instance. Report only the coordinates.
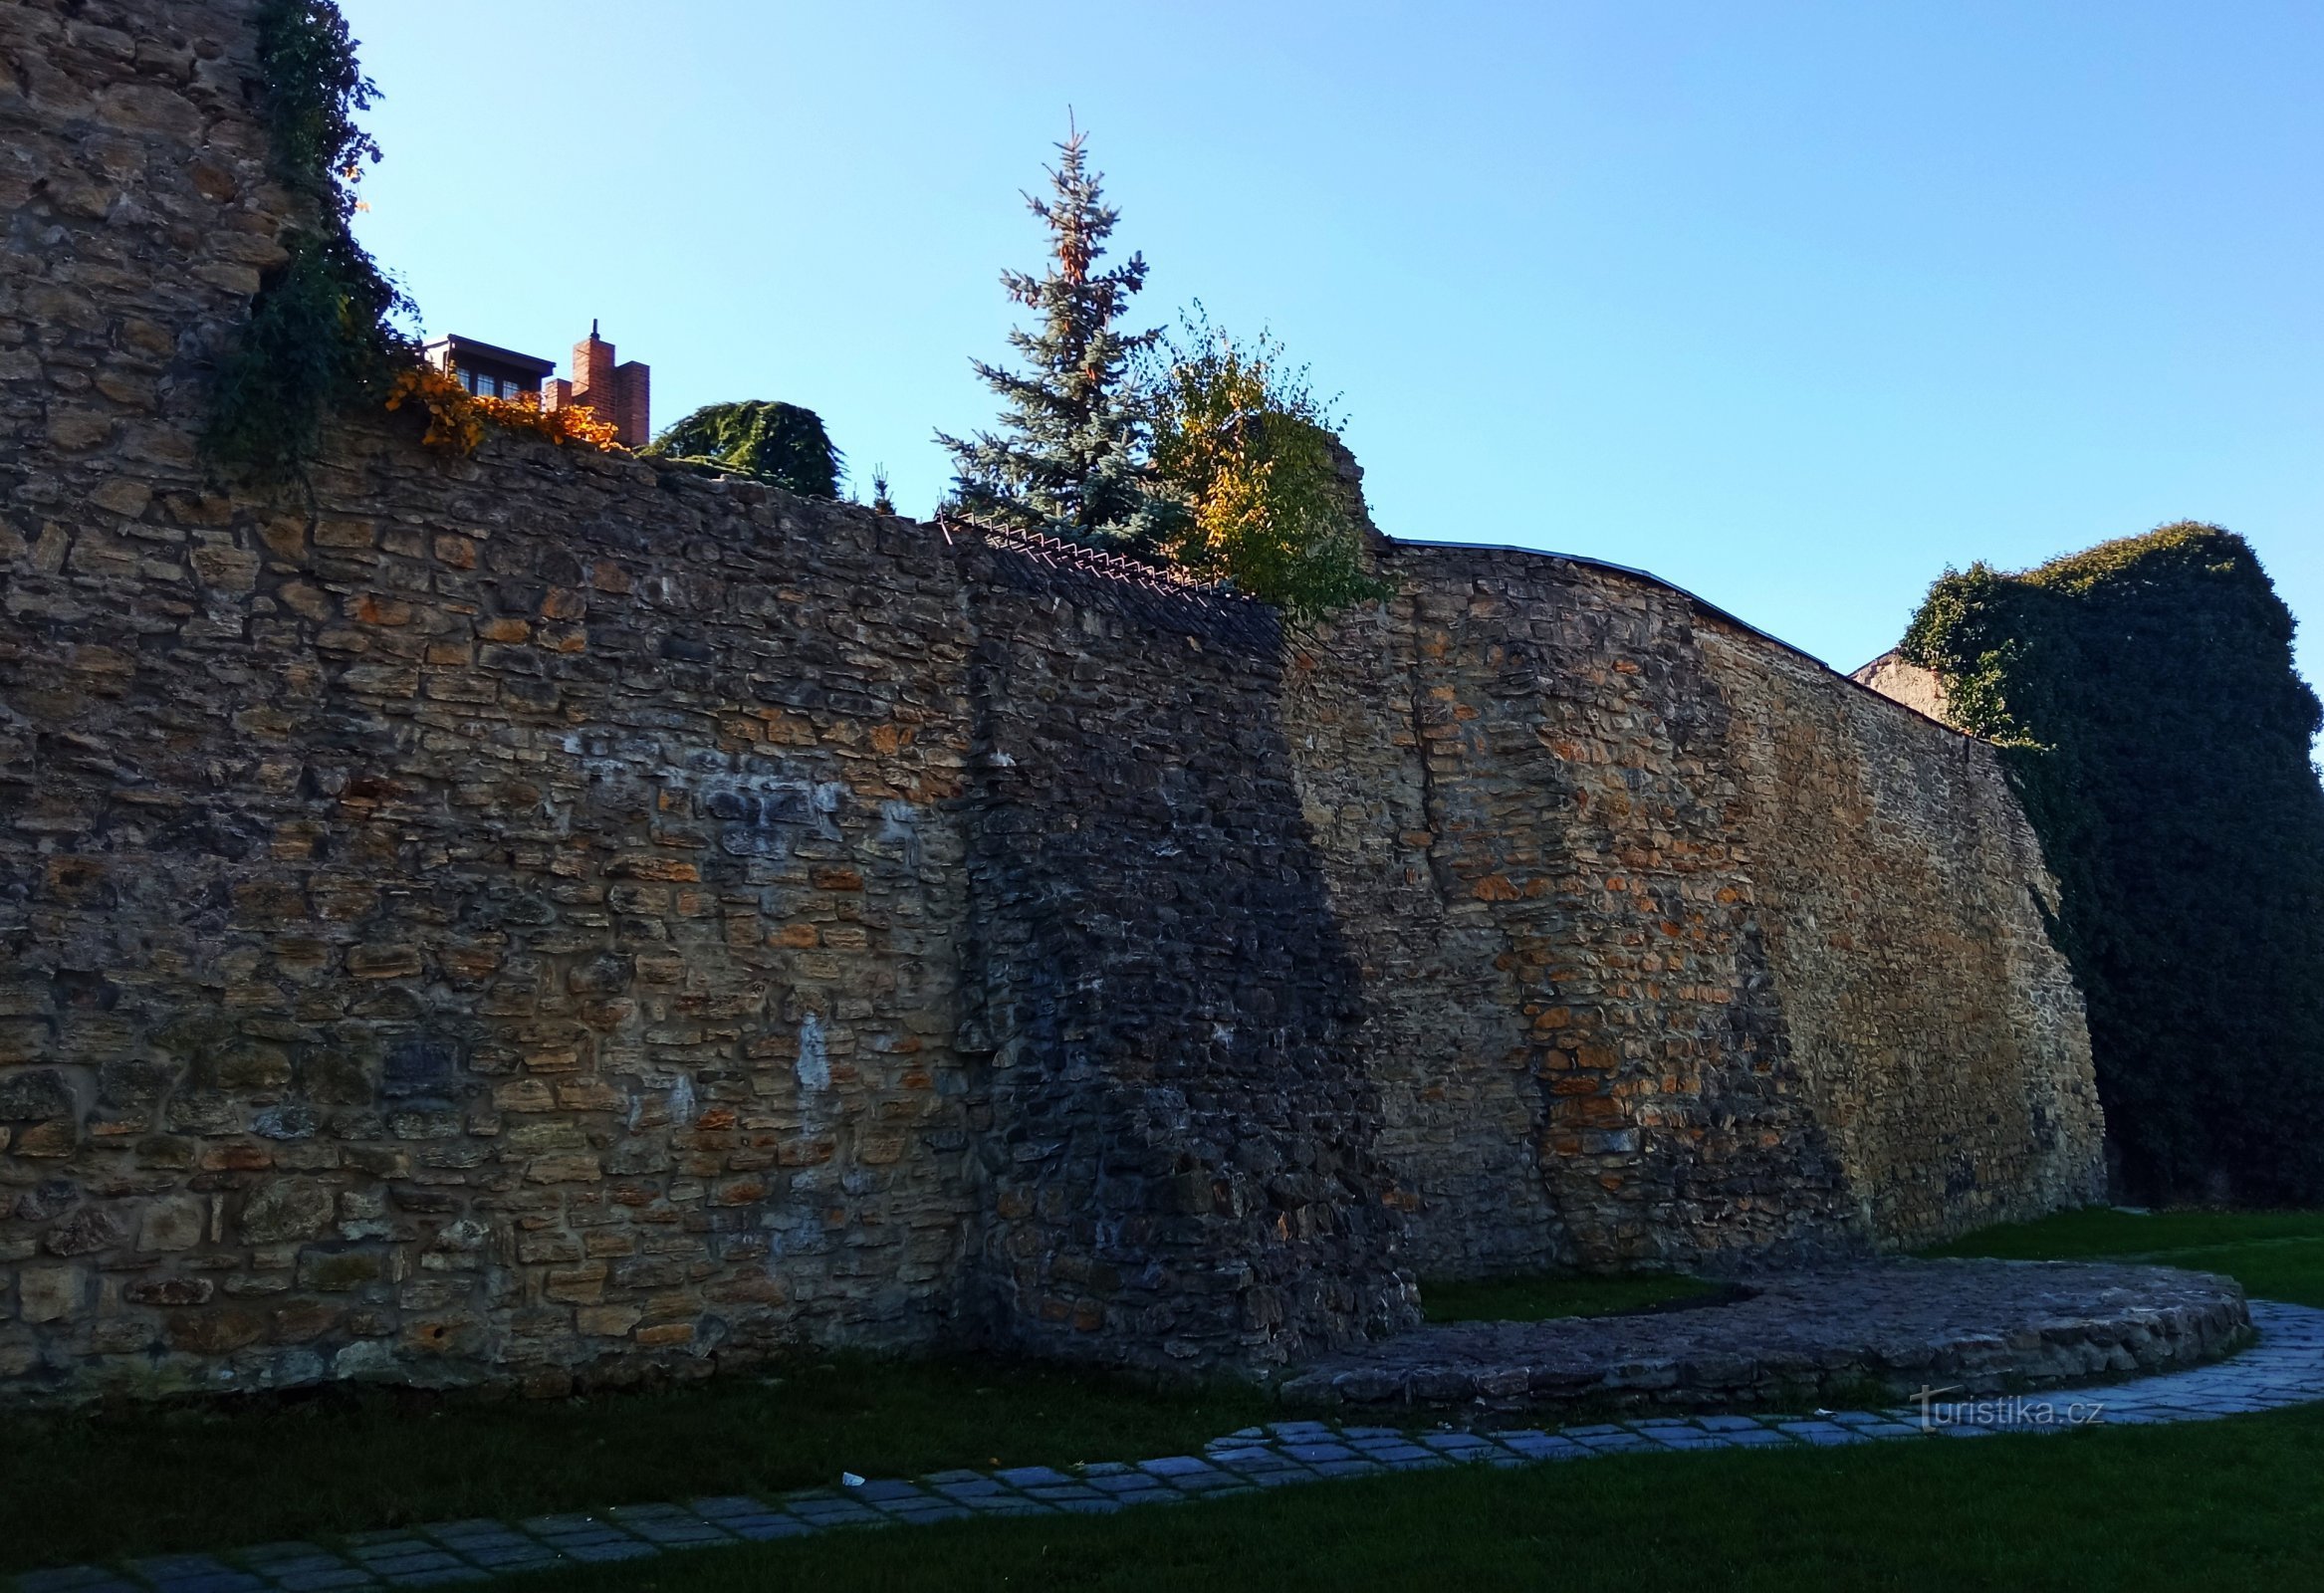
(1183, 1149)
(1445, 1039)
(1683, 949)
(1905, 898)
(546, 916)
(501, 922)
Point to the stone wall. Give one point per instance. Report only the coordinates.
(1183, 1153)
(1939, 1032)
(1681, 946)
(492, 926)
(545, 915)
(1917, 688)
(1445, 1039)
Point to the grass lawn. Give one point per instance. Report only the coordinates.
(139, 1482)
(2128, 1507)
(1534, 1300)
(143, 1481)
(2207, 1505)
(2221, 1504)
(2275, 1255)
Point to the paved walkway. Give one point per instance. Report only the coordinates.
(2286, 1367)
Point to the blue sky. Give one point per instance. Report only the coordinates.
(1792, 304)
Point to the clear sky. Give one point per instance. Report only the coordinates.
(1794, 304)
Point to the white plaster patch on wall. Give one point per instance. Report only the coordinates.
(899, 833)
(814, 1055)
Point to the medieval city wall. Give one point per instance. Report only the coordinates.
(1679, 945)
(544, 915)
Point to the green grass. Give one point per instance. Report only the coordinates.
(2130, 1507)
(146, 1481)
(2275, 1255)
(2223, 1504)
(196, 1477)
(1538, 1297)
(2207, 1505)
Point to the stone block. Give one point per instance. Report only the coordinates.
(286, 1211)
(169, 1291)
(576, 1286)
(339, 1272)
(215, 1332)
(50, 1294)
(33, 1095)
(607, 1321)
(87, 1231)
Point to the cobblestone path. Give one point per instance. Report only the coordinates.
(2286, 1367)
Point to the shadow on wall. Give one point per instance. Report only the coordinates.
(1182, 1163)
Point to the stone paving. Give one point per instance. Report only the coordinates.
(2286, 1367)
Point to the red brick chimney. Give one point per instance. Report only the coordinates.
(621, 395)
(592, 371)
(634, 401)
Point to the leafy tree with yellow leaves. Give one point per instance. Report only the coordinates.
(1249, 461)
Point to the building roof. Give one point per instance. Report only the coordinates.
(530, 364)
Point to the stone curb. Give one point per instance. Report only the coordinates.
(2285, 1368)
(1981, 1324)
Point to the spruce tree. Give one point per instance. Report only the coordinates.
(1067, 457)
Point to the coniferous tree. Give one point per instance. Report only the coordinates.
(1066, 457)
(778, 442)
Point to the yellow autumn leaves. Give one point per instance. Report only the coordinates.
(458, 419)
(1248, 457)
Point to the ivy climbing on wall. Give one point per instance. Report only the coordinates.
(2146, 700)
(323, 332)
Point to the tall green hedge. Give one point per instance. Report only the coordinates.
(2145, 697)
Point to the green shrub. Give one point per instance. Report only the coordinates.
(775, 442)
(2146, 700)
(1245, 462)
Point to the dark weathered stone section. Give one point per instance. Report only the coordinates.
(1970, 1327)
(1181, 1159)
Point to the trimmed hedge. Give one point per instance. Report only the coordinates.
(2160, 737)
